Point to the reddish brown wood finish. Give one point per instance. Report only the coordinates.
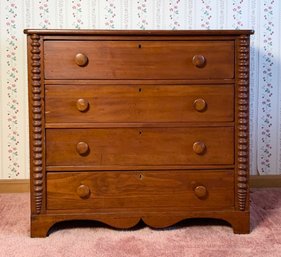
(139, 103)
(143, 33)
(139, 146)
(36, 124)
(242, 123)
(138, 60)
(160, 117)
(140, 189)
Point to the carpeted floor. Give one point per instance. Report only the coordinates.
(199, 238)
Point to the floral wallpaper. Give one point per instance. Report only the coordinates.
(262, 16)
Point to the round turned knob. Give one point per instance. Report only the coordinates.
(200, 105)
(81, 59)
(83, 191)
(82, 148)
(200, 191)
(199, 61)
(199, 147)
(82, 105)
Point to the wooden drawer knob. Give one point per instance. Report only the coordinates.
(81, 59)
(83, 191)
(82, 148)
(199, 61)
(200, 191)
(200, 105)
(82, 105)
(199, 147)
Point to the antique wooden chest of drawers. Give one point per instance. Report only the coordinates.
(138, 125)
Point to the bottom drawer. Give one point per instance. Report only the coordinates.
(140, 189)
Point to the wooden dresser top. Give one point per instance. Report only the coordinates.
(137, 32)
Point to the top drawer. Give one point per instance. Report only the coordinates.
(139, 59)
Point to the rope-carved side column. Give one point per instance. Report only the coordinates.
(36, 125)
(242, 120)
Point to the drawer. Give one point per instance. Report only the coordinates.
(139, 59)
(134, 189)
(138, 103)
(140, 146)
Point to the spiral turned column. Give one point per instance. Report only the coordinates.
(36, 125)
(242, 120)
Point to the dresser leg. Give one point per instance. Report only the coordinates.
(40, 226)
(240, 223)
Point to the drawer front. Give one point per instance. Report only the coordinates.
(140, 146)
(135, 103)
(146, 189)
(138, 59)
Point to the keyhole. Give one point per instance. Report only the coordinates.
(140, 132)
(140, 176)
(139, 45)
(139, 89)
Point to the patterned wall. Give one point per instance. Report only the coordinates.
(262, 16)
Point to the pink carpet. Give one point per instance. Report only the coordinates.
(204, 239)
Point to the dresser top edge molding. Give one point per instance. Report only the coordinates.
(138, 32)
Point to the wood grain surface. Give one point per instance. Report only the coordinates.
(138, 59)
(138, 125)
(140, 189)
(138, 103)
(140, 146)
